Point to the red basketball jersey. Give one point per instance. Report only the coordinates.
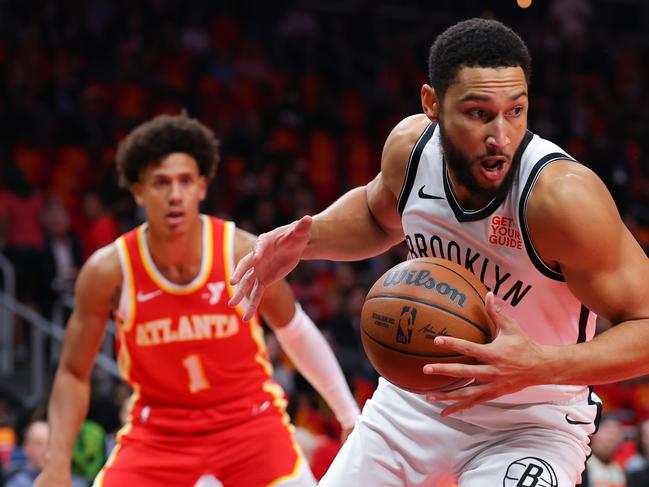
(181, 345)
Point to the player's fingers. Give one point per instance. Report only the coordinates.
(478, 372)
(464, 397)
(462, 405)
(495, 312)
(461, 393)
(254, 300)
(242, 289)
(242, 267)
(459, 345)
(489, 393)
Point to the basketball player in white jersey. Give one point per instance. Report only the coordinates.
(466, 181)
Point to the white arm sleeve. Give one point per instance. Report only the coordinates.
(313, 357)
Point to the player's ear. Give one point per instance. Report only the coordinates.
(429, 102)
(136, 189)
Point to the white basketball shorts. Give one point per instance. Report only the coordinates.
(401, 440)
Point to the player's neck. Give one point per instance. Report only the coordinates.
(177, 257)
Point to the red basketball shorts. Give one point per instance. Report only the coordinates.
(255, 453)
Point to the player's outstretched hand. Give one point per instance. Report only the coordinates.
(273, 256)
(511, 362)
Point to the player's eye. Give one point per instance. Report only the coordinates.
(160, 183)
(516, 111)
(477, 113)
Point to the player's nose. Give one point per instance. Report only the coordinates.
(497, 135)
(175, 194)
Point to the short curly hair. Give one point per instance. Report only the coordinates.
(474, 43)
(151, 141)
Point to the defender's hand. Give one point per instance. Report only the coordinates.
(274, 255)
(511, 362)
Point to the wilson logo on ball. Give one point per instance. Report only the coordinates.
(423, 278)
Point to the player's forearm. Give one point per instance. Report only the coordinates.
(66, 411)
(315, 360)
(619, 353)
(347, 230)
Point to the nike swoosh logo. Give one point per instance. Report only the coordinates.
(143, 297)
(427, 196)
(572, 421)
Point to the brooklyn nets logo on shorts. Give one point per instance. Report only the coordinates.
(530, 472)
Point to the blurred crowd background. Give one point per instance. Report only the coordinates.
(302, 95)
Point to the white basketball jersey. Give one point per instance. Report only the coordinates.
(495, 245)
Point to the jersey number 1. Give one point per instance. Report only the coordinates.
(197, 380)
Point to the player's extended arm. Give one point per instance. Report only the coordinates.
(362, 223)
(96, 285)
(305, 345)
(575, 226)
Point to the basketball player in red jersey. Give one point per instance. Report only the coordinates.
(466, 181)
(205, 410)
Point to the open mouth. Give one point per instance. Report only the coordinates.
(493, 163)
(175, 217)
(493, 167)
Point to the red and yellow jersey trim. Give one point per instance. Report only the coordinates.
(256, 331)
(126, 310)
(296, 469)
(206, 263)
(280, 403)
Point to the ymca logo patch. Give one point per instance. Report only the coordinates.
(530, 472)
(215, 290)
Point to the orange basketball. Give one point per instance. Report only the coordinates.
(408, 307)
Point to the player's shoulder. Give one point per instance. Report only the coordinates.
(99, 282)
(405, 134)
(103, 266)
(571, 202)
(398, 146)
(566, 184)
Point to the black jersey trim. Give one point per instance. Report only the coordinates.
(413, 165)
(542, 267)
(463, 215)
(583, 323)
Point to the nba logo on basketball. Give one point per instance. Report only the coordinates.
(407, 323)
(530, 472)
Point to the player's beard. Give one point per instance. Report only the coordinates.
(461, 166)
